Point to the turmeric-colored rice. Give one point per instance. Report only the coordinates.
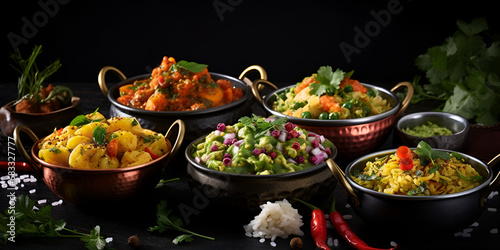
(442, 177)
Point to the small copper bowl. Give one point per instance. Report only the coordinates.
(353, 137)
(98, 186)
(248, 192)
(41, 124)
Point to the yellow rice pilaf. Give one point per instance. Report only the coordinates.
(384, 175)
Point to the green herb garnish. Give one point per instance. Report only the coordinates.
(99, 135)
(40, 223)
(472, 178)
(30, 82)
(81, 120)
(166, 221)
(329, 81)
(259, 124)
(55, 150)
(464, 73)
(191, 66)
(426, 154)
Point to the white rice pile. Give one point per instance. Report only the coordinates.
(277, 219)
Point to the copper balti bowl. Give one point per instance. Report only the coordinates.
(353, 137)
(99, 186)
(198, 122)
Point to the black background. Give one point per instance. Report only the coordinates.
(290, 39)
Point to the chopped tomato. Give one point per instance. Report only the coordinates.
(406, 164)
(356, 85)
(403, 152)
(112, 148)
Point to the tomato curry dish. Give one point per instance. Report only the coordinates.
(178, 86)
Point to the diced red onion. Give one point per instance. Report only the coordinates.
(197, 159)
(230, 136)
(282, 137)
(322, 138)
(217, 132)
(316, 151)
(308, 149)
(238, 143)
(291, 160)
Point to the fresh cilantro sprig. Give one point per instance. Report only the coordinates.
(328, 81)
(261, 125)
(167, 221)
(463, 73)
(40, 223)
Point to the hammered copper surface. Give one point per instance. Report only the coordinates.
(89, 186)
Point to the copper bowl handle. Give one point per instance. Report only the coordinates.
(340, 175)
(180, 137)
(262, 72)
(101, 78)
(256, 87)
(493, 184)
(19, 145)
(406, 102)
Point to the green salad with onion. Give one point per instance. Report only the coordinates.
(261, 146)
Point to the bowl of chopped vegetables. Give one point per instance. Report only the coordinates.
(258, 160)
(418, 189)
(94, 160)
(180, 90)
(356, 117)
(438, 129)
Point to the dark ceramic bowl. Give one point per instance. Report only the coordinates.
(250, 191)
(416, 214)
(197, 122)
(41, 124)
(353, 137)
(91, 187)
(457, 124)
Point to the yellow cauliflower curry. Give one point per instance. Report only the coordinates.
(93, 142)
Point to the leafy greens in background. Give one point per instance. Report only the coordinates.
(463, 73)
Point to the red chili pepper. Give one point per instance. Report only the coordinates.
(345, 231)
(151, 153)
(318, 226)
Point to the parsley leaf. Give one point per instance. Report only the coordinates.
(166, 221)
(31, 223)
(464, 73)
(261, 125)
(328, 81)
